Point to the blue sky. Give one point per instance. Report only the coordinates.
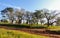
(30, 5)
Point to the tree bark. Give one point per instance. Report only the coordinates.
(48, 22)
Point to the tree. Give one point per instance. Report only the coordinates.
(27, 17)
(19, 15)
(49, 16)
(42, 21)
(58, 21)
(39, 15)
(8, 12)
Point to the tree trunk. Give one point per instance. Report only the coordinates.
(19, 21)
(11, 21)
(41, 24)
(27, 22)
(48, 22)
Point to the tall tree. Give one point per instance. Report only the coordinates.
(38, 15)
(58, 21)
(8, 12)
(19, 15)
(27, 17)
(49, 16)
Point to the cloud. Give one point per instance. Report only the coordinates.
(9, 5)
(55, 5)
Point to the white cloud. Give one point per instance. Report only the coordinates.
(55, 5)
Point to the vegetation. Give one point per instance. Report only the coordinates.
(23, 25)
(21, 16)
(54, 28)
(4, 33)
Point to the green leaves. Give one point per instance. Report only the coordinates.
(38, 14)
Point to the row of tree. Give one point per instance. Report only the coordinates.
(31, 17)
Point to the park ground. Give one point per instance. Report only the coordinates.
(13, 32)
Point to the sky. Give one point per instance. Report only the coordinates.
(31, 5)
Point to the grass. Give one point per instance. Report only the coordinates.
(4, 33)
(54, 28)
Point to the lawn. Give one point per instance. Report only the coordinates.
(4, 33)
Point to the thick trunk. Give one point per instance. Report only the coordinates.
(27, 22)
(11, 21)
(19, 22)
(48, 22)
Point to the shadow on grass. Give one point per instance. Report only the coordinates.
(15, 25)
(22, 26)
(53, 32)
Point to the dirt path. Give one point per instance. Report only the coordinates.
(34, 31)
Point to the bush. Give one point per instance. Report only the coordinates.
(15, 25)
(23, 25)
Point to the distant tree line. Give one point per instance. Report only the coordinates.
(43, 16)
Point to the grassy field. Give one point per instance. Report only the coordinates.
(54, 28)
(4, 33)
